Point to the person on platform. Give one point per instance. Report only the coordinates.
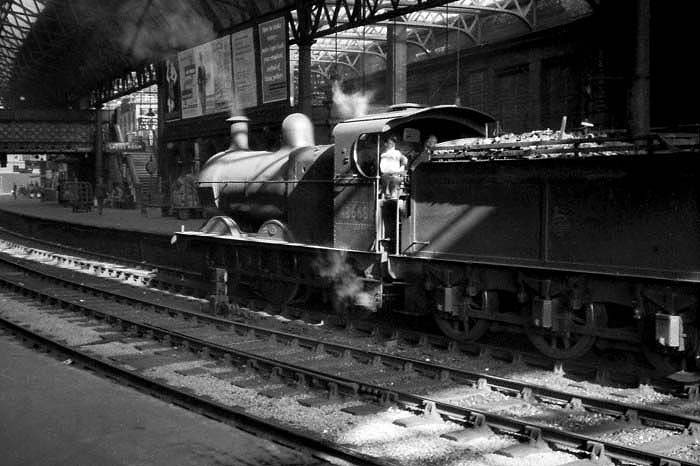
(116, 195)
(392, 164)
(100, 194)
(127, 196)
(14, 190)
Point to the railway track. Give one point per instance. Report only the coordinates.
(264, 428)
(190, 284)
(156, 276)
(294, 363)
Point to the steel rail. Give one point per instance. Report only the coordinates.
(289, 437)
(102, 256)
(558, 437)
(503, 385)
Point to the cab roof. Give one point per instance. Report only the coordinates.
(473, 121)
(438, 111)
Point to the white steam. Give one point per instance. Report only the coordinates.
(161, 27)
(348, 288)
(350, 105)
(234, 109)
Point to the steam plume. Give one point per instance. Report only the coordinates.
(157, 28)
(350, 105)
(234, 109)
(348, 287)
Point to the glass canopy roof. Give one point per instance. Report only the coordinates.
(81, 43)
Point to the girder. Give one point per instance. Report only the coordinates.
(16, 20)
(420, 33)
(325, 67)
(85, 44)
(350, 44)
(328, 53)
(326, 72)
(317, 18)
(130, 82)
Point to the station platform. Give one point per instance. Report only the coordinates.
(58, 415)
(122, 219)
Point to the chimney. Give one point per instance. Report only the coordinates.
(239, 132)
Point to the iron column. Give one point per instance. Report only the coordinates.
(640, 114)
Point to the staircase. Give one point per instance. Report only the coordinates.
(145, 184)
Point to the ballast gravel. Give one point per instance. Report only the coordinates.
(373, 435)
(642, 395)
(689, 452)
(45, 322)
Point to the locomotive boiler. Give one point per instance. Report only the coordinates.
(257, 187)
(578, 243)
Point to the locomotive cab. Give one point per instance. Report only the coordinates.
(364, 219)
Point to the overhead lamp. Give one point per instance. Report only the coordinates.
(587, 124)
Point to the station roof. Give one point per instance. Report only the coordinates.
(54, 52)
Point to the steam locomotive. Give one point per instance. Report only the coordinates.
(577, 243)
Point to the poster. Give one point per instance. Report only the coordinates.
(188, 84)
(244, 75)
(172, 89)
(206, 81)
(219, 85)
(273, 59)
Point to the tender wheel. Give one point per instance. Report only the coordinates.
(568, 342)
(465, 328)
(664, 363)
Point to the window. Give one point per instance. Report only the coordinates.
(476, 90)
(366, 154)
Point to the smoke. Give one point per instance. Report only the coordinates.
(157, 28)
(350, 105)
(347, 286)
(234, 108)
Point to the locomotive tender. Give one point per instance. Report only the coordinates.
(574, 246)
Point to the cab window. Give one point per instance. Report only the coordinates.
(366, 154)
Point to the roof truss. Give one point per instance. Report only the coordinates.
(92, 47)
